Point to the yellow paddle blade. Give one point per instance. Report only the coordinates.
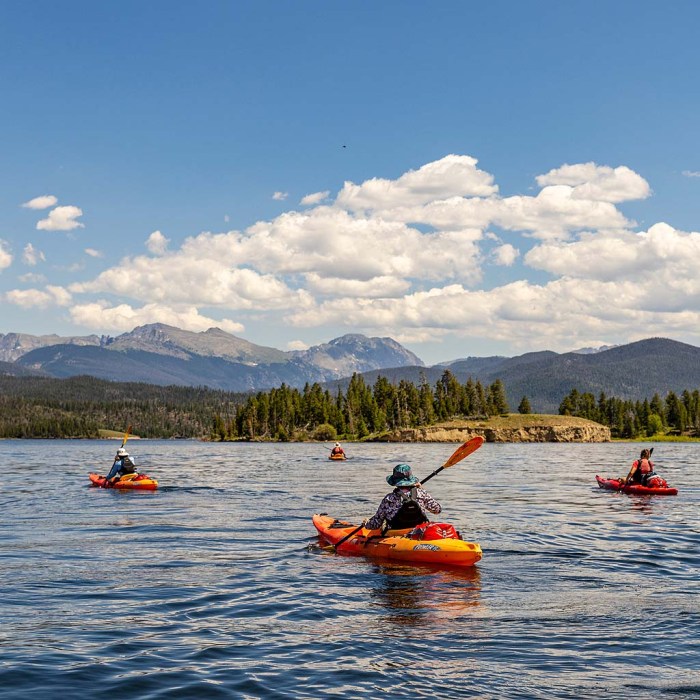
(126, 436)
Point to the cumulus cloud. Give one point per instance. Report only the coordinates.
(405, 258)
(37, 298)
(157, 243)
(691, 173)
(94, 253)
(297, 345)
(622, 255)
(5, 256)
(31, 255)
(315, 198)
(598, 182)
(61, 219)
(280, 196)
(451, 176)
(124, 317)
(43, 202)
(505, 254)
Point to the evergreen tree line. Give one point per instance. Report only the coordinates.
(631, 419)
(287, 413)
(79, 407)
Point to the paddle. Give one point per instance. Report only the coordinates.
(457, 456)
(126, 437)
(634, 468)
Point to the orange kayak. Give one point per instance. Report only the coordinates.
(417, 545)
(337, 458)
(129, 482)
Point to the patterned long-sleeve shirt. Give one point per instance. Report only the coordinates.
(391, 503)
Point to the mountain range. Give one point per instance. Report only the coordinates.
(162, 354)
(634, 371)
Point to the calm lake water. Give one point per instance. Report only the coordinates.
(212, 586)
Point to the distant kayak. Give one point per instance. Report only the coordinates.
(337, 458)
(128, 482)
(436, 543)
(617, 485)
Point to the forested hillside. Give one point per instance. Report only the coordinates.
(37, 407)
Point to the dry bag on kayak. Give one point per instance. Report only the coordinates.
(434, 531)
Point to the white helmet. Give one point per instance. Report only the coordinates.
(121, 452)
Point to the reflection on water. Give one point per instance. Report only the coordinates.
(208, 586)
(414, 596)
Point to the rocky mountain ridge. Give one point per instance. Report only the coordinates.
(162, 354)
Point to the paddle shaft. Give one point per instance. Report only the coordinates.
(126, 437)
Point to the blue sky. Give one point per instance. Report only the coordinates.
(467, 179)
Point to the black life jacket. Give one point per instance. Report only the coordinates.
(410, 513)
(127, 467)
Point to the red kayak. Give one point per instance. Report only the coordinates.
(618, 485)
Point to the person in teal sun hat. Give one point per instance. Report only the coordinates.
(406, 506)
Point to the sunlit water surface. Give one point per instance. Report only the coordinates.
(213, 586)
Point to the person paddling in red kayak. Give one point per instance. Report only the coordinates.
(406, 505)
(643, 473)
(123, 464)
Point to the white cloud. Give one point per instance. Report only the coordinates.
(43, 202)
(124, 317)
(31, 255)
(598, 182)
(505, 254)
(200, 274)
(280, 196)
(297, 345)
(404, 258)
(315, 198)
(451, 176)
(5, 256)
(37, 298)
(93, 253)
(691, 173)
(61, 219)
(375, 287)
(157, 243)
(662, 250)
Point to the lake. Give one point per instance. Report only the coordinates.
(213, 586)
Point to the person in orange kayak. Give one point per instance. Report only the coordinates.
(337, 451)
(123, 464)
(643, 473)
(406, 506)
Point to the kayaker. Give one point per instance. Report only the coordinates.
(337, 450)
(407, 505)
(643, 473)
(123, 464)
